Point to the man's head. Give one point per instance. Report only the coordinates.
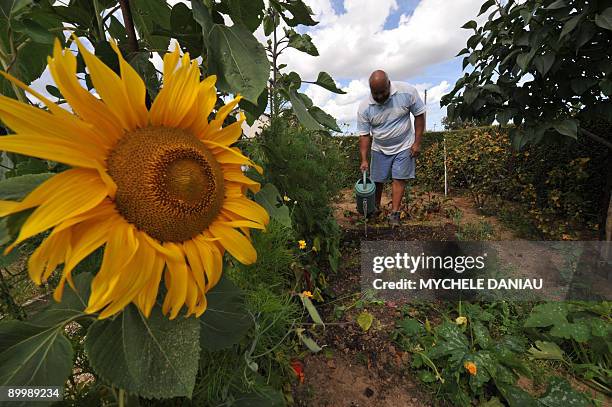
(380, 86)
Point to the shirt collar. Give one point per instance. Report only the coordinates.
(392, 92)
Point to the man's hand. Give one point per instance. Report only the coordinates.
(415, 149)
(364, 166)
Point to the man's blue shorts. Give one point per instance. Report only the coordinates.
(397, 166)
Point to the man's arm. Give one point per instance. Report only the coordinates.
(419, 127)
(364, 147)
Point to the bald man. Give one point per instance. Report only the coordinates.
(384, 117)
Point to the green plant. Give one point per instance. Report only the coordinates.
(463, 362)
(301, 164)
(577, 333)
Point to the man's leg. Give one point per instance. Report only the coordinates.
(403, 169)
(379, 190)
(380, 171)
(399, 186)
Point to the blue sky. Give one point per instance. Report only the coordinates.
(415, 41)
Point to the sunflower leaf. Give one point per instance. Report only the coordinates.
(268, 197)
(225, 321)
(32, 355)
(239, 60)
(301, 111)
(16, 188)
(72, 305)
(152, 357)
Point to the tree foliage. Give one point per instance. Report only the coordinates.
(545, 65)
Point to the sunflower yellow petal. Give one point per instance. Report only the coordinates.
(228, 155)
(235, 174)
(192, 293)
(49, 148)
(201, 307)
(111, 88)
(45, 259)
(63, 68)
(212, 260)
(235, 243)
(228, 135)
(170, 61)
(177, 292)
(126, 284)
(134, 86)
(241, 223)
(247, 209)
(120, 248)
(65, 202)
(195, 262)
(87, 236)
(147, 296)
(207, 98)
(176, 98)
(27, 119)
(220, 117)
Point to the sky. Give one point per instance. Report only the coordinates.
(414, 41)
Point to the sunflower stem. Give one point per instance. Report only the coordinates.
(96, 4)
(129, 25)
(6, 65)
(121, 398)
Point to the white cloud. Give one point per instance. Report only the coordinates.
(353, 44)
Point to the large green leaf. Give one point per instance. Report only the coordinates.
(32, 355)
(72, 305)
(515, 396)
(312, 311)
(269, 198)
(567, 128)
(301, 13)
(253, 111)
(148, 16)
(153, 357)
(324, 118)
(546, 314)
(301, 42)
(451, 342)
(604, 20)
(239, 60)
(546, 350)
(560, 393)
(579, 331)
(16, 188)
(543, 63)
(325, 81)
(481, 334)
(226, 320)
(250, 13)
(301, 111)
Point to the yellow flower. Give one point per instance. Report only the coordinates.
(286, 198)
(461, 321)
(302, 244)
(471, 368)
(307, 294)
(162, 188)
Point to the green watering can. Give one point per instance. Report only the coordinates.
(365, 192)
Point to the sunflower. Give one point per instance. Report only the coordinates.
(161, 188)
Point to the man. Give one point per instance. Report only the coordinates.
(385, 116)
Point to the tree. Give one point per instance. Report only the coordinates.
(544, 65)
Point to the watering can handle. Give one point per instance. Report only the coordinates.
(364, 178)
